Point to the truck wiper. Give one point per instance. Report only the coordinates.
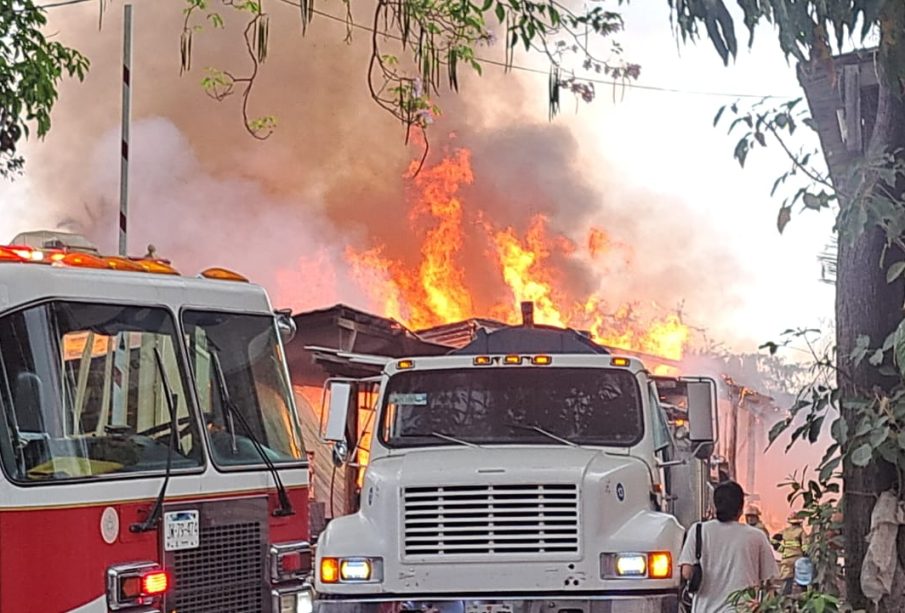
(171, 399)
(547, 433)
(285, 504)
(453, 439)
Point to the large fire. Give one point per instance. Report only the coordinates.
(435, 286)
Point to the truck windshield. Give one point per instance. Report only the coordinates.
(243, 352)
(81, 393)
(589, 406)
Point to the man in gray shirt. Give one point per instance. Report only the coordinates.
(734, 556)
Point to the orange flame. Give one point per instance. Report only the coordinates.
(522, 264)
(439, 288)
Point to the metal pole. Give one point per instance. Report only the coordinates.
(127, 113)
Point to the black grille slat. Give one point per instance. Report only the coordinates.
(223, 573)
(487, 520)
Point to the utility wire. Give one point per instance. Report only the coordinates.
(54, 5)
(527, 69)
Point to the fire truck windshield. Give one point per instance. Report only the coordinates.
(589, 406)
(242, 349)
(81, 393)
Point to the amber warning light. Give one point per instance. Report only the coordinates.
(23, 254)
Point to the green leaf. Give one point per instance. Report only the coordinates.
(814, 430)
(901, 440)
(785, 216)
(811, 201)
(862, 455)
(826, 473)
(895, 271)
(899, 351)
(876, 358)
(878, 435)
(719, 114)
(778, 428)
(500, 12)
(839, 430)
(819, 605)
(741, 151)
(760, 138)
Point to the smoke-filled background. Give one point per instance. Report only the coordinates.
(283, 211)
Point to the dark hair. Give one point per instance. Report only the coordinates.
(728, 498)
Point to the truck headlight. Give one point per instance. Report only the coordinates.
(631, 565)
(351, 570)
(650, 565)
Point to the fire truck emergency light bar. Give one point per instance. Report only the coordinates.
(23, 254)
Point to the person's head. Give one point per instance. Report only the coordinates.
(752, 516)
(728, 500)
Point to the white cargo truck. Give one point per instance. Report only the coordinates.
(530, 471)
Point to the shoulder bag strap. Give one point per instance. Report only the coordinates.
(697, 542)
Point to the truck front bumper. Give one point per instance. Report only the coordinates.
(642, 602)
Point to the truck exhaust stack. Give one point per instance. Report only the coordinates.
(528, 314)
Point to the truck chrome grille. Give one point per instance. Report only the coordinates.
(228, 570)
(491, 519)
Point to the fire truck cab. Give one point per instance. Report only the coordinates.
(530, 471)
(150, 453)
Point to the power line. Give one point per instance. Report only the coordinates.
(54, 5)
(527, 69)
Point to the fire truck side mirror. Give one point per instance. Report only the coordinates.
(341, 395)
(701, 410)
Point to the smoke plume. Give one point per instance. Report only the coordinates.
(286, 210)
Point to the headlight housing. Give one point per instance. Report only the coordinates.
(636, 565)
(351, 570)
(293, 599)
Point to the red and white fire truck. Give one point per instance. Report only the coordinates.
(150, 449)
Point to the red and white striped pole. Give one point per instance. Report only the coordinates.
(127, 113)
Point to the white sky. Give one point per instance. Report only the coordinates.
(665, 142)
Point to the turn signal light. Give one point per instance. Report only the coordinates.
(154, 583)
(659, 565)
(512, 359)
(620, 362)
(483, 360)
(405, 364)
(329, 570)
(541, 360)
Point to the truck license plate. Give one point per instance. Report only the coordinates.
(180, 530)
(488, 608)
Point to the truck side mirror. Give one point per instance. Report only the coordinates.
(341, 395)
(285, 325)
(701, 410)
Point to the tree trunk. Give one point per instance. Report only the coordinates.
(867, 304)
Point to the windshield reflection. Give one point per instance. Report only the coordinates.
(243, 351)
